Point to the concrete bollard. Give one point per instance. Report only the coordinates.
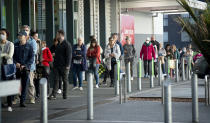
(195, 112)
(183, 70)
(139, 70)
(152, 75)
(128, 77)
(90, 113)
(44, 106)
(160, 75)
(167, 102)
(177, 70)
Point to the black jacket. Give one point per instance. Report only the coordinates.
(63, 54)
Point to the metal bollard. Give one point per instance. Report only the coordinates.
(206, 90)
(162, 93)
(195, 112)
(44, 107)
(116, 77)
(120, 97)
(128, 77)
(167, 102)
(90, 96)
(152, 75)
(183, 70)
(139, 70)
(125, 89)
(177, 71)
(190, 67)
(159, 73)
(0, 110)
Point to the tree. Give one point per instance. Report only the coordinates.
(198, 27)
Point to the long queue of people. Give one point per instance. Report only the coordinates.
(30, 59)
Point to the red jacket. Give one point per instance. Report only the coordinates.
(147, 51)
(46, 57)
(94, 53)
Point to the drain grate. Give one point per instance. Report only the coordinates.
(174, 99)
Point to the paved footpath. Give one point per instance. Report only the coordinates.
(108, 110)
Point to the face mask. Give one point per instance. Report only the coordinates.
(2, 37)
(147, 42)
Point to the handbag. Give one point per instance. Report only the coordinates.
(8, 71)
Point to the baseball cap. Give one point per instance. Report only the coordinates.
(148, 39)
(22, 33)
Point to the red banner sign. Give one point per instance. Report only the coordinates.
(127, 28)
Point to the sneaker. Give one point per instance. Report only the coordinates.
(75, 88)
(59, 91)
(80, 88)
(131, 78)
(52, 97)
(112, 85)
(97, 86)
(9, 109)
(32, 101)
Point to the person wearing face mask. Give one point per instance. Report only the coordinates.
(6, 54)
(147, 51)
(23, 58)
(61, 64)
(79, 62)
(32, 42)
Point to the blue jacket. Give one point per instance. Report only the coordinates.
(83, 53)
(121, 47)
(33, 43)
(23, 54)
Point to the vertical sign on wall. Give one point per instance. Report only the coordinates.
(127, 28)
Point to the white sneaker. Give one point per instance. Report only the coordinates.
(9, 109)
(32, 101)
(97, 86)
(80, 88)
(59, 91)
(131, 78)
(75, 88)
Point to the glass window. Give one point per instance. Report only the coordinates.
(75, 6)
(165, 37)
(165, 20)
(185, 37)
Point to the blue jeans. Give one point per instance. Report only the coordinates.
(77, 73)
(96, 73)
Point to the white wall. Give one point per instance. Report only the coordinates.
(143, 22)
